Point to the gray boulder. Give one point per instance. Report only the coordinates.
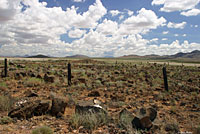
(90, 107)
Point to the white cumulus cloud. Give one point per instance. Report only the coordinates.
(192, 12)
(39, 29)
(176, 5)
(186, 7)
(176, 25)
(114, 12)
(130, 13)
(77, 33)
(142, 22)
(165, 32)
(78, 0)
(154, 40)
(176, 35)
(8, 9)
(164, 39)
(107, 27)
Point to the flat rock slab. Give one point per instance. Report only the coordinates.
(89, 107)
(30, 109)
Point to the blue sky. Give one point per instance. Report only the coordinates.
(99, 28)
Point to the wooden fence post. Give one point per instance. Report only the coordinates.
(5, 68)
(69, 74)
(165, 78)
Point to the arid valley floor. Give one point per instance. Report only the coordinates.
(118, 85)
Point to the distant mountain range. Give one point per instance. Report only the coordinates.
(38, 56)
(194, 54)
(137, 56)
(191, 55)
(78, 56)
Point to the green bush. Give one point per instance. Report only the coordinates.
(3, 84)
(198, 130)
(31, 82)
(98, 83)
(42, 130)
(5, 120)
(6, 103)
(88, 121)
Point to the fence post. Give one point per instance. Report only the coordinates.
(5, 68)
(165, 78)
(69, 74)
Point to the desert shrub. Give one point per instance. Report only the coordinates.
(71, 100)
(172, 128)
(6, 102)
(198, 130)
(98, 83)
(3, 86)
(80, 86)
(116, 104)
(42, 130)
(5, 120)
(173, 109)
(88, 121)
(31, 82)
(125, 121)
(157, 82)
(110, 84)
(120, 83)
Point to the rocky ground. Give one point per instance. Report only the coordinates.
(104, 98)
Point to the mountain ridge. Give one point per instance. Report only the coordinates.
(78, 56)
(192, 55)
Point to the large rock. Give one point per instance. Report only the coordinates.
(94, 94)
(29, 109)
(90, 107)
(20, 75)
(144, 118)
(92, 112)
(82, 80)
(172, 128)
(152, 113)
(49, 78)
(30, 93)
(58, 105)
(125, 118)
(32, 74)
(21, 66)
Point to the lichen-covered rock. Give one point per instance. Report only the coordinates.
(30, 108)
(92, 107)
